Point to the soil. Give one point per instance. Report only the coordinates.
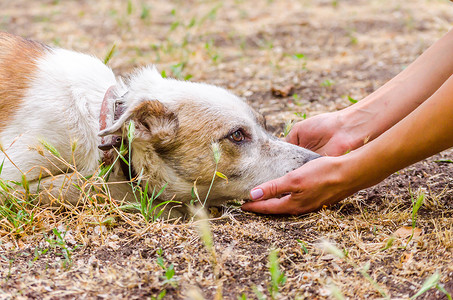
(286, 58)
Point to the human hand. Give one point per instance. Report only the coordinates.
(325, 134)
(323, 181)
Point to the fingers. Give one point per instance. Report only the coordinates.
(286, 205)
(301, 136)
(293, 136)
(273, 188)
(283, 205)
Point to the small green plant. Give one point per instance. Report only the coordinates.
(211, 15)
(192, 23)
(353, 37)
(145, 12)
(432, 282)
(278, 277)
(10, 265)
(39, 252)
(145, 203)
(16, 210)
(416, 204)
(211, 51)
(300, 115)
(215, 147)
(160, 296)
(352, 100)
(389, 243)
(327, 83)
(296, 99)
(130, 7)
(58, 243)
(301, 59)
(177, 71)
(169, 271)
(298, 56)
(344, 255)
(288, 126)
(303, 246)
(175, 24)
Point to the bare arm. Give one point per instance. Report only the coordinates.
(338, 132)
(424, 132)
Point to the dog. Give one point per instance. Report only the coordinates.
(171, 129)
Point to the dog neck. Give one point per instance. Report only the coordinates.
(109, 144)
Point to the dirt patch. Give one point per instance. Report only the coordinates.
(327, 50)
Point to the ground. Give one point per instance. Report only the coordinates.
(326, 52)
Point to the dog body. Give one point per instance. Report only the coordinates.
(54, 97)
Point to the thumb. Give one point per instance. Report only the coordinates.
(272, 188)
(293, 136)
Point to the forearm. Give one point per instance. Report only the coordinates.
(326, 180)
(424, 132)
(401, 95)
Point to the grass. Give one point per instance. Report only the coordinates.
(278, 278)
(288, 126)
(217, 153)
(168, 277)
(110, 54)
(217, 41)
(205, 233)
(61, 248)
(146, 205)
(430, 283)
(352, 100)
(416, 204)
(329, 247)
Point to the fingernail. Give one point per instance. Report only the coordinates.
(256, 194)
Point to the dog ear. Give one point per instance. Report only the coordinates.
(154, 123)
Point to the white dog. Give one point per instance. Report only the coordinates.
(64, 98)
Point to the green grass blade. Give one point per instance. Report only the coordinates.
(416, 207)
(429, 283)
(1, 166)
(161, 191)
(443, 290)
(50, 148)
(110, 54)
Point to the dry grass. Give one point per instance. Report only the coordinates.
(350, 48)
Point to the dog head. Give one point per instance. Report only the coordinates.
(181, 128)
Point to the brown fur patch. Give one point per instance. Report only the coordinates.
(155, 124)
(191, 156)
(18, 58)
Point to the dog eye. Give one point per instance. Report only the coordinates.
(237, 136)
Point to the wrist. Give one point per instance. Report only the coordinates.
(357, 125)
(352, 175)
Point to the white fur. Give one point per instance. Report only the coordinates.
(62, 105)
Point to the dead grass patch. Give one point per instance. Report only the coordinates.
(327, 51)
